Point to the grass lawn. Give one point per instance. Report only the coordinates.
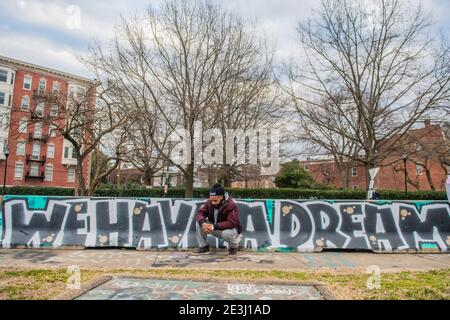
(47, 284)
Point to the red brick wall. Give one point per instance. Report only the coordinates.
(59, 170)
(391, 175)
(326, 172)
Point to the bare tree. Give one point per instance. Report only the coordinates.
(427, 148)
(143, 153)
(106, 157)
(386, 65)
(83, 117)
(325, 133)
(174, 63)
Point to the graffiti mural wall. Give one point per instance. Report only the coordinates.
(284, 225)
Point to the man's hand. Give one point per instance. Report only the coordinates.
(207, 228)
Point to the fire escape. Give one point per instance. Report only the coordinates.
(37, 161)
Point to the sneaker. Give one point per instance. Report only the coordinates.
(202, 250)
(232, 251)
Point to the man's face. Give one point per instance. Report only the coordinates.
(216, 200)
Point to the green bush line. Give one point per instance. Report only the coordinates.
(237, 193)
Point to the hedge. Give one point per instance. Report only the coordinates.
(237, 193)
(39, 191)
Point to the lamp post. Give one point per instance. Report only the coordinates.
(405, 158)
(6, 153)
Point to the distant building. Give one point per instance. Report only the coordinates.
(204, 177)
(36, 158)
(129, 174)
(423, 166)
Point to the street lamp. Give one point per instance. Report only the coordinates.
(405, 158)
(6, 153)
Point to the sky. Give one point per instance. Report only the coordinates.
(55, 33)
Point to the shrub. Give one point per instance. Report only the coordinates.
(40, 191)
(201, 193)
(293, 175)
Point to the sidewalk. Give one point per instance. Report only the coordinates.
(120, 259)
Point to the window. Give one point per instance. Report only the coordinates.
(77, 132)
(51, 151)
(3, 75)
(355, 187)
(26, 103)
(4, 123)
(49, 172)
(354, 172)
(20, 151)
(53, 128)
(2, 98)
(56, 87)
(34, 172)
(54, 110)
(42, 85)
(417, 146)
(419, 169)
(18, 171)
(72, 92)
(40, 109)
(306, 167)
(71, 174)
(2, 146)
(23, 125)
(9, 101)
(36, 151)
(38, 130)
(69, 153)
(27, 81)
(12, 78)
(80, 93)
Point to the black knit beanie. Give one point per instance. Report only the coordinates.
(217, 190)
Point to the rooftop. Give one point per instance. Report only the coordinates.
(30, 66)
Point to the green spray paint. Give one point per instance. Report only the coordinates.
(383, 202)
(34, 202)
(269, 207)
(429, 246)
(420, 204)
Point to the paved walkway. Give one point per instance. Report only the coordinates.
(115, 259)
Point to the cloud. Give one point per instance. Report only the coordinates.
(47, 31)
(40, 51)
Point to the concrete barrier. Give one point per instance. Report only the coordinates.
(283, 225)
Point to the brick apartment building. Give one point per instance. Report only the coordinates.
(424, 168)
(37, 155)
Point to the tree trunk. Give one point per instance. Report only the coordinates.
(226, 167)
(81, 182)
(367, 174)
(189, 181)
(226, 175)
(148, 176)
(430, 180)
(211, 175)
